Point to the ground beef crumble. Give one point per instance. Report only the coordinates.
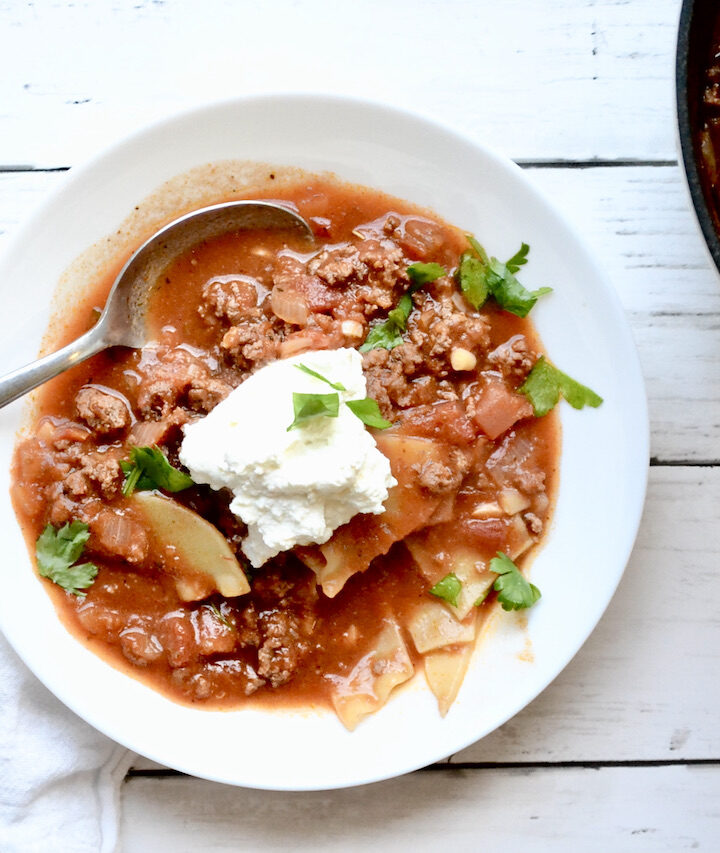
(229, 301)
(173, 377)
(281, 648)
(101, 410)
(513, 357)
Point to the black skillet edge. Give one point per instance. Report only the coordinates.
(690, 60)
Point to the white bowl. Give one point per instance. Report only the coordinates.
(604, 454)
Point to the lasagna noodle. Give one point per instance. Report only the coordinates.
(445, 671)
(373, 678)
(433, 626)
(353, 546)
(464, 562)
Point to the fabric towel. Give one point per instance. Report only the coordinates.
(59, 778)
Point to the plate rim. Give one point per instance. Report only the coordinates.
(621, 326)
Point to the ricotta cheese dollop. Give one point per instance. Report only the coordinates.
(290, 488)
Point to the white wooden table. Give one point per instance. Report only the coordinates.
(622, 752)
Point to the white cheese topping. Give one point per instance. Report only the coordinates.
(291, 488)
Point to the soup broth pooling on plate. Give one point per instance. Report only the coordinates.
(148, 565)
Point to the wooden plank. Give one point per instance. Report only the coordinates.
(644, 686)
(620, 809)
(680, 357)
(637, 221)
(639, 224)
(569, 79)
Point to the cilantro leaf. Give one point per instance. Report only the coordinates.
(472, 278)
(149, 469)
(519, 259)
(478, 249)
(388, 333)
(399, 315)
(75, 579)
(385, 335)
(422, 274)
(307, 406)
(338, 386)
(369, 412)
(449, 589)
(545, 383)
(507, 291)
(514, 591)
(135, 479)
(57, 550)
(480, 277)
(479, 600)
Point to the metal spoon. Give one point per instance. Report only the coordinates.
(122, 322)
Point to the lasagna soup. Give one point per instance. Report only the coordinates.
(210, 582)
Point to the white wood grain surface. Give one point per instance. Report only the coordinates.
(570, 79)
(608, 810)
(622, 751)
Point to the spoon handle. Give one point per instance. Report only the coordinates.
(24, 379)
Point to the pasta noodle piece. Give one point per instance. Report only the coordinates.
(432, 626)
(408, 507)
(445, 671)
(465, 563)
(373, 678)
(202, 561)
(475, 577)
(519, 539)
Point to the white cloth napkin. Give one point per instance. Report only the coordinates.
(59, 778)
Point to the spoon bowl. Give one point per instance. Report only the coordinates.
(123, 320)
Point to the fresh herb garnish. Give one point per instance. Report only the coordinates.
(57, 552)
(507, 291)
(306, 406)
(478, 249)
(472, 277)
(149, 469)
(422, 274)
(218, 614)
(338, 386)
(449, 589)
(369, 412)
(519, 259)
(135, 480)
(388, 333)
(514, 591)
(545, 383)
(481, 277)
(479, 600)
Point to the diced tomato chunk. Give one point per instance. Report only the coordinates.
(444, 421)
(485, 534)
(495, 407)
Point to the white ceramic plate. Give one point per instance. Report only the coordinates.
(604, 457)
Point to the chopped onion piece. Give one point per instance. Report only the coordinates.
(289, 305)
(513, 501)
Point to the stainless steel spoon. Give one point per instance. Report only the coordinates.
(122, 322)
